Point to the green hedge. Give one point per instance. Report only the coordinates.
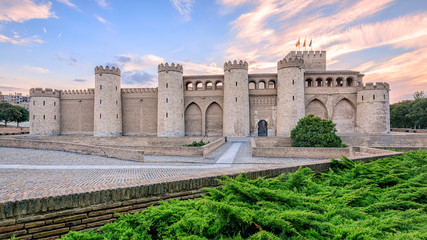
(384, 199)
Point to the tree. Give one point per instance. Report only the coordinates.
(399, 114)
(25, 115)
(9, 113)
(418, 113)
(419, 95)
(312, 131)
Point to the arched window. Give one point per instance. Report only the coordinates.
(209, 86)
(329, 82)
(309, 82)
(271, 84)
(339, 82)
(261, 85)
(251, 85)
(349, 82)
(319, 82)
(189, 86)
(199, 86)
(218, 85)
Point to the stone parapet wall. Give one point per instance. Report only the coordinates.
(103, 151)
(408, 130)
(386, 140)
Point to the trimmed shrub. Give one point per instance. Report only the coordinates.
(312, 131)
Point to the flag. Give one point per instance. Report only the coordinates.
(311, 41)
(304, 43)
(297, 44)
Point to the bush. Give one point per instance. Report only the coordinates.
(313, 131)
(197, 144)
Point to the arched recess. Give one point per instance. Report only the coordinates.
(317, 108)
(344, 116)
(262, 128)
(193, 120)
(214, 120)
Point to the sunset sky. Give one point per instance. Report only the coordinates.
(57, 44)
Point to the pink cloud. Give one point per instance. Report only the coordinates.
(23, 10)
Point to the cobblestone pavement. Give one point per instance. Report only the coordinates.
(29, 173)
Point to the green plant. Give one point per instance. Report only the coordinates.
(383, 199)
(197, 144)
(312, 131)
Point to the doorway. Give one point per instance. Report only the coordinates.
(262, 128)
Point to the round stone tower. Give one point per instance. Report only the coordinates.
(170, 101)
(290, 94)
(45, 111)
(108, 104)
(373, 108)
(236, 99)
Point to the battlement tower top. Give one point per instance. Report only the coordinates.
(166, 67)
(47, 92)
(307, 54)
(235, 65)
(290, 62)
(107, 70)
(376, 86)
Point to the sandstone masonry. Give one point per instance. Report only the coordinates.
(233, 104)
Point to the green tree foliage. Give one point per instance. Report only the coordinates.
(383, 199)
(419, 95)
(9, 113)
(409, 113)
(313, 131)
(25, 115)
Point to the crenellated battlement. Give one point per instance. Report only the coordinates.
(235, 65)
(77, 92)
(290, 62)
(376, 86)
(46, 92)
(307, 54)
(107, 70)
(139, 90)
(166, 67)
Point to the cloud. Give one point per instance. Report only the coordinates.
(132, 62)
(139, 78)
(11, 89)
(37, 69)
(65, 58)
(59, 35)
(80, 80)
(102, 3)
(197, 68)
(102, 20)
(20, 41)
(70, 4)
(183, 7)
(23, 10)
(44, 30)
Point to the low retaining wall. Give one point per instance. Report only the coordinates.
(56, 215)
(408, 130)
(126, 154)
(386, 140)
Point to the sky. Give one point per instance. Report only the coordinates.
(58, 43)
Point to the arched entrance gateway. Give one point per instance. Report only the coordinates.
(262, 128)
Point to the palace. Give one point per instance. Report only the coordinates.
(231, 104)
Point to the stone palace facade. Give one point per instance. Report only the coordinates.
(231, 104)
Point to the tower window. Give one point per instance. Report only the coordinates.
(54, 103)
(293, 82)
(236, 84)
(54, 117)
(117, 102)
(99, 116)
(384, 96)
(373, 97)
(100, 101)
(34, 102)
(236, 99)
(117, 116)
(166, 114)
(34, 117)
(293, 98)
(100, 86)
(44, 103)
(167, 100)
(116, 88)
(44, 116)
(167, 85)
(362, 98)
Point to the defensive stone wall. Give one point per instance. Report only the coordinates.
(139, 107)
(313, 60)
(373, 109)
(77, 111)
(45, 109)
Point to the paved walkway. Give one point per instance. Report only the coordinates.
(28, 173)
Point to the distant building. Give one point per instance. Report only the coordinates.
(231, 104)
(16, 99)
